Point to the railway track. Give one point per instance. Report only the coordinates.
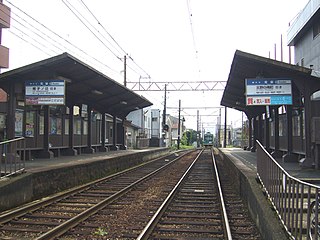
(51, 217)
(200, 207)
(176, 201)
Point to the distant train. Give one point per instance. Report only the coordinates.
(208, 139)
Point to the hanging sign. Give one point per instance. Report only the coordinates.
(47, 92)
(264, 91)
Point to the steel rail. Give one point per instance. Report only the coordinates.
(145, 233)
(223, 206)
(20, 211)
(72, 222)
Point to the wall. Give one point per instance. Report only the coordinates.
(308, 49)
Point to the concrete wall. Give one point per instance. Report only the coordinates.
(308, 48)
(245, 181)
(34, 185)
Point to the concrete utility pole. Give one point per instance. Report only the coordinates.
(179, 124)
(198, 135)
(125, 71)
(164, 106)
(225, 128)
(164, 127)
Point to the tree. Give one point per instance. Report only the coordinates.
(191, 136)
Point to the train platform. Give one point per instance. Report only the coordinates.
(42, 164)
(43, 177)
(293, 168)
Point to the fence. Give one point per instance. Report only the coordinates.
(12, 157)
(296, 202)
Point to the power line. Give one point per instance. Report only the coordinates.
(74, 10)
(17, 35)
(124, 52)
(192, 33)
(56, 35)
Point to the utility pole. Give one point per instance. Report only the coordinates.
(179, 125)
(219, 128)
(225, 128)
(164, 116)
(125, 71)
(164, 106)
(198, 134)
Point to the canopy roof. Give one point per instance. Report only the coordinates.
(84, 84)
(247, 65)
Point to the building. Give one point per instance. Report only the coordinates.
(5, 15)
(148, 125)
(61, 105)
(173, 133)
(304, 36)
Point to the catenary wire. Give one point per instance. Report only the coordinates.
(61, 38)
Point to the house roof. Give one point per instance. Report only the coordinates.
(84, 85)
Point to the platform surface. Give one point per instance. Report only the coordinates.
(45, 163)
(293, 168)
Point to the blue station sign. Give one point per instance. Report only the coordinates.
(266, 91)
(46, 92)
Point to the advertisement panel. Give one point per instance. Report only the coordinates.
(46, 92)
(262, 91)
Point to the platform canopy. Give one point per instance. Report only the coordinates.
(246, 65)
(84, 85)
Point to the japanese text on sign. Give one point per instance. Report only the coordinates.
(49, 92)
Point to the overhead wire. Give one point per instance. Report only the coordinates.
(82, 19)
(102, 26)
(193, 35)
(123, 51)
(56, 35)
(46, 40)
(35, 31)
(17, 35)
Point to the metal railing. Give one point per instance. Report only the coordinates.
(12, 157)
(296, 202)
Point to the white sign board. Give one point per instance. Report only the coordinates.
(260, 91)
(47, 92)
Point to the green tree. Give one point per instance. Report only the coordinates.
(184, 139)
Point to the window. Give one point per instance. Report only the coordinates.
(316, 28)
(18, 123)
(111, 132)
(296, 126)
(30, 123)
(66, 126)
(55, 126)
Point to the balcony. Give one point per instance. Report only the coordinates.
(4, 57)
(302, 20)
(5, 15)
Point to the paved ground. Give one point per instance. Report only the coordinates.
(294, 169)
(38, 164)
(247, 157)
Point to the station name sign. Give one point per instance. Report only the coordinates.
(267, 91)
(46, 92)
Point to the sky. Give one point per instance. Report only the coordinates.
(165, 41)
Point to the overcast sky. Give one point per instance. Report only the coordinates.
(168, 40)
